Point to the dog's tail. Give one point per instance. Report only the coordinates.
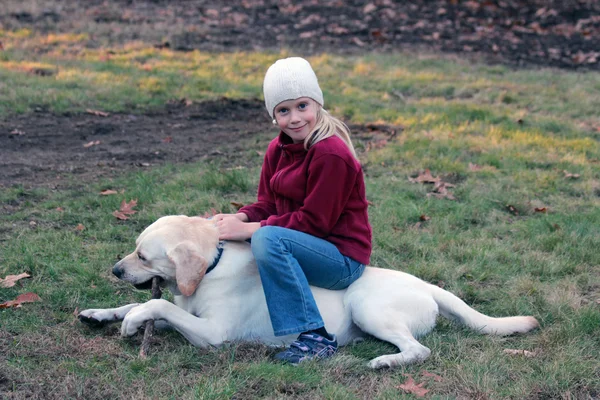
(453, 308)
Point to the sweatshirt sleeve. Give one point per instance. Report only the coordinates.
(265, 204)
(330, 183)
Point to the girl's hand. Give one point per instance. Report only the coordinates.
(232, 228)
(241, 216)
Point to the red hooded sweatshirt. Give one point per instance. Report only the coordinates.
(320, 192)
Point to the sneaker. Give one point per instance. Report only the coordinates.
(307, 347)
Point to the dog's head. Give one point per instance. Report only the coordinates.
(176, 249)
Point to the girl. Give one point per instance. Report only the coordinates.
(310, 224)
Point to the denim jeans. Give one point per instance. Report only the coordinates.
(288, 262)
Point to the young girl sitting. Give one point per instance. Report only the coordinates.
(310, 224)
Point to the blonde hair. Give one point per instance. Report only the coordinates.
(326, 126)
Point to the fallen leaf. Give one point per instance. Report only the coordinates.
(524, 353)
(108, 192)
(369, 8)
(512, 209)
(59, 209)
(540, 209)
(308, 34)
(440, 191)
(11, 280)
(475, 167)
(358, 42)
(125, 210)
(569, 175)
(28, 297)
(80, 227)
(425, 177)
(424, 217)
(97, 113)
(237, 205)
(410, 386)
(92, 143)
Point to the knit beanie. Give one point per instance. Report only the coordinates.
(289, 79)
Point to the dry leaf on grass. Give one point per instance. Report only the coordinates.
(92, 143)
(524, 353)
(97, 113)
(569, 175)
(108, 192)
(125, 210)
(28, 297)
(512, 209)
(410, 386)
(11, 280)
(425, 177)
(440, 191)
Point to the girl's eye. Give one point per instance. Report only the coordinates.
(302, 106)
(282, 110)
(141, 257)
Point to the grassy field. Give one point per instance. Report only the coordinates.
(521, 148)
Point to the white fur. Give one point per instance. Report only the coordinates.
(228, 304)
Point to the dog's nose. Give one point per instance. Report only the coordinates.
(117, 270)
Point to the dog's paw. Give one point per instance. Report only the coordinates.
(96, 317)
(137, 317)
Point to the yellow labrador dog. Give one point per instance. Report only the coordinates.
(219, 297)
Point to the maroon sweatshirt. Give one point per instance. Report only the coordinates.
(320, 192)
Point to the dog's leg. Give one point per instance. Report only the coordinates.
(199, 331)
(388, 319)
(103, 316)
(410, 349)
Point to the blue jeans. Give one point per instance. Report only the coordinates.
(288, 262)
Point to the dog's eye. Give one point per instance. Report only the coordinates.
(141, 257)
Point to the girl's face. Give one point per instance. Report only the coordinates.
(297, 118)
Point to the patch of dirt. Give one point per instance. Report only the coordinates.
(51, 150)
(562, 33)
(44, 149)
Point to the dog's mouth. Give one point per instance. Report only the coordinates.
(148, 284)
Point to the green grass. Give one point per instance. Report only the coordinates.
(522, 127)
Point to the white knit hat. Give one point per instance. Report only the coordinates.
(289, 79)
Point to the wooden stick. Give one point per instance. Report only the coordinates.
(149, 331)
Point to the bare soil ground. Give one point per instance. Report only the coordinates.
(562, 34)
(50, 150)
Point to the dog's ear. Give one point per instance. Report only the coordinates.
(190, 267)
